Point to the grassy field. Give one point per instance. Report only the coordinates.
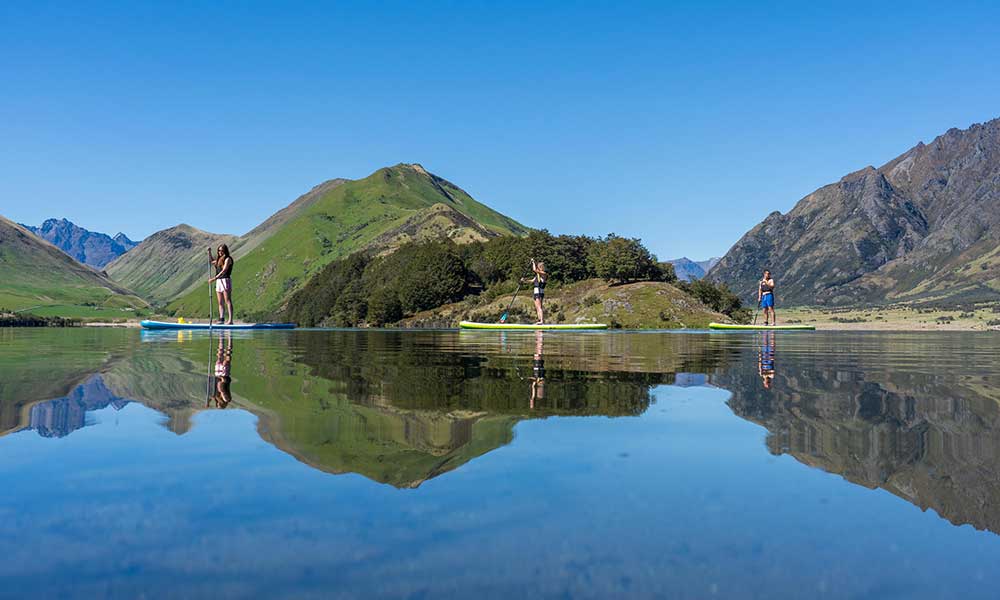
(980, 317)
(89, 313)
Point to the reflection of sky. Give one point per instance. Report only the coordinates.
(684, 499)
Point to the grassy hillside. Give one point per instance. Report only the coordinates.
(168, 263)
(641, 305)
(35, 275)
(380, 211)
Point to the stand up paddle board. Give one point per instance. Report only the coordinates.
(206, 326)
(730, 326)
(531, 327)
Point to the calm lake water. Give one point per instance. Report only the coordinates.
(428, 464)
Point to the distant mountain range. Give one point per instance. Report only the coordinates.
(34, 273)
(689, 270)
(924, 227)
(392, 206)
(89, 247)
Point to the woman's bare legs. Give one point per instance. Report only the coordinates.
(221, 299)
(538, 309)
(229, 307)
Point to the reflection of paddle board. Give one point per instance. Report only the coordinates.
(761, 327)
(163, 325)
(531, 327)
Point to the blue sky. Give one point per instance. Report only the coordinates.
(683, 124)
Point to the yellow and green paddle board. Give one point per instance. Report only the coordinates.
(734, 327)
(532, 327)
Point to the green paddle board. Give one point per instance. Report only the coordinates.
(732, 327)
(531, 327)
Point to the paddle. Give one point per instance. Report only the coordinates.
(503, 317)
(208, 384)
(756, 312)
(211, 295)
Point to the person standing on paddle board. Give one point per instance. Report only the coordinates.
(223, 280)
(538, 281)
(765, 298)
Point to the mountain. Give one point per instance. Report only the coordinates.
(923, 227)
(388, 208)
(689, 270)
(89, 247)
(123, 239)
(168, 263)
(706, 265)
(34, 273)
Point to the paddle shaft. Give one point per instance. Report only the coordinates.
(503, 318)
(211, 295)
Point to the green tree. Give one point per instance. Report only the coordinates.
(384, 307)
(429, 275)
(615, 258)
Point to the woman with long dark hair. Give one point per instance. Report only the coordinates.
(223, 280)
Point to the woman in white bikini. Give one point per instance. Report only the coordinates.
(223, 280)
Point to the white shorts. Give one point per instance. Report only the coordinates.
(224, 285)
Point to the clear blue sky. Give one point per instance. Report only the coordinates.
(682, 124)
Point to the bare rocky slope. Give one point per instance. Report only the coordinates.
(923, 227)
(89, 247)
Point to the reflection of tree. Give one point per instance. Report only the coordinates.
(400, 407)
(925, 438)
(412, 377)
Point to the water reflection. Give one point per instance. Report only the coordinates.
(61, 416)
(401, 408)
(931, 437)
(765, 358)
(538, 371)
(221, 377)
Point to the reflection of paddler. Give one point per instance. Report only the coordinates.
(765, 359)
(223, 378)
(537, 371)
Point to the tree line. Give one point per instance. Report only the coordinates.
(371, 289)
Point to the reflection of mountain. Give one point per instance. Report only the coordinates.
(932, 443)
(395, 407)
(33, 369)
(62, 416)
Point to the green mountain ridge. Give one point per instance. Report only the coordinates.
(390, 207)
(36, 275)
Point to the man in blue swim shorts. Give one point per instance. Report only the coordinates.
(765, 298)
